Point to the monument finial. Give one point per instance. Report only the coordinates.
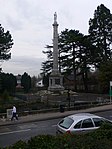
(55, 17)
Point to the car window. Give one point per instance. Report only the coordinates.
(98, 122)
(78, 125)
(87, 123)
(66, 123)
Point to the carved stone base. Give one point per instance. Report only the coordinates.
(56, 83)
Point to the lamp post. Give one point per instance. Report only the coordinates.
(110, 91)
(68, 98)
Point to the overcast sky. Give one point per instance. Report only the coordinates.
(30, 24)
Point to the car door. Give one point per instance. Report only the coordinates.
(76, 128)
(87, 125)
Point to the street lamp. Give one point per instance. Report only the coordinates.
(68, 97)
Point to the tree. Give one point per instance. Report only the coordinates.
(100, 30)
(68, 41)
(6, 43)
(12, 83)
(77, 53)
(8, 82)
(85, 58)
(26, 82)
(105, 76)
(47, 65)
(34, 82)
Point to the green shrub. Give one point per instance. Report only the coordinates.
(104, 132)
(19, 145)
(5, 97)
(42, 142)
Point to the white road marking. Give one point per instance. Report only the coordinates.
(11, 132)
(27, 126)
(54, 125)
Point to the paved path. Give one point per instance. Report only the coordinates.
(52, 115)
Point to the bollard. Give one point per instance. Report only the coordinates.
(62, 109)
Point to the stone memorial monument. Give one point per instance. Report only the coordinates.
(55, 79)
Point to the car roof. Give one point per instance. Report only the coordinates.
(81, 116)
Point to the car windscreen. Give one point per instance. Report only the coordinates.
(66, 122)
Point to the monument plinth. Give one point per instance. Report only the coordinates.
(55, 79)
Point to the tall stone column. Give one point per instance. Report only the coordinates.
(55, 79)
(55, 45)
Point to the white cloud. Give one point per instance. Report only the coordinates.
(30, 24)
(21, 64)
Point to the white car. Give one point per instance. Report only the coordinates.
(81, 122)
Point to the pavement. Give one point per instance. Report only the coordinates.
(52, 115)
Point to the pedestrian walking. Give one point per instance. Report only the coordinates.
(14, 114)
